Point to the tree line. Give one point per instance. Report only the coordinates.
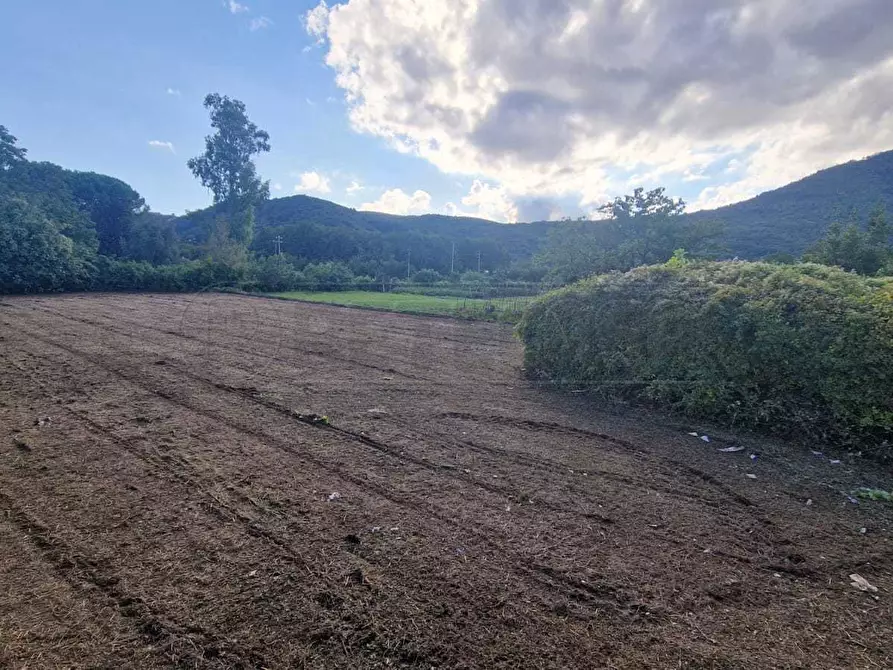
(67, 230)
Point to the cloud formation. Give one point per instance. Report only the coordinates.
(313, 182)
(158, 144)
(552, 98)
(487, 202)
(396, 201)
(173, 91)
(259, 23)
(235, 7)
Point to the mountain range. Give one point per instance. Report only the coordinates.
(786, 220)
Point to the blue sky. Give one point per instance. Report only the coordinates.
(89, 81)
(507, 109)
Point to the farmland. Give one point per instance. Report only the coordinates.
(219, 481)
(412, 303)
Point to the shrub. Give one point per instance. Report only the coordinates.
(274, 273)
(800, 350)
(331, 276)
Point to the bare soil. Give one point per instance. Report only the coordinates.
(170, 496)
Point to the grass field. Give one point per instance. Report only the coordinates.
(500, 309)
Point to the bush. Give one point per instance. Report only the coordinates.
(274, 273)
(802, 350)
(331, 276)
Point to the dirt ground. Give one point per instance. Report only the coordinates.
(169, 497)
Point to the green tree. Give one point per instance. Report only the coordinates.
(34, 255)
(111, 204)
(10, 154)
(153, 238)
(644, 228)
(226, 167)
(866, 251)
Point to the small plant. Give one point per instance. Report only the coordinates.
(874, 494)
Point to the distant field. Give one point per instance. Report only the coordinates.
(413, 303)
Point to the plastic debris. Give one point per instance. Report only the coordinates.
(817, 453)
(754, 457)
(42, 421)
(252, 573)
(312, 419)
(731, 450)
(859, 582)
(751, 476)
(835, 462)
(863, 530)
(375, 529)
(852, 500)
(705, 438)
(334, 496)
(694, 434)
(809, 502)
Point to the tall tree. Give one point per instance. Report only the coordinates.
(10, 154)
(226, 167)
(639, 229)
(111, 205)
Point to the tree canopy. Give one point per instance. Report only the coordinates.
(226, 166)
(641, 229)
(10, 154)
(866, 251)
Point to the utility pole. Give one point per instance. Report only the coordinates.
(408, 253)
(479, 261)
(453, 259)
(278, 242)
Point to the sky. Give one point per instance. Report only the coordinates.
(512, 110)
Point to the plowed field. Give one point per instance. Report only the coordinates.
(171, 496)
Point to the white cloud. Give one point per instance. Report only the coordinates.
(396, 201)
(487, 202)
(158, 144)
(317, 20)
(173, 91)
(235, 7)
(313, 182)
(260, 23)
(277, 186)
(354, 187)
(576, 97)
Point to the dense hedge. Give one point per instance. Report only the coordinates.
(803, 350)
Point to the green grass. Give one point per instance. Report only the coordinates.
(503, 309)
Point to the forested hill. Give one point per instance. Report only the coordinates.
(789, 219)
(318, 229)
(786, 220)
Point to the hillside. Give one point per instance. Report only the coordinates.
(791, 218)
(318, 229)
(787, 220)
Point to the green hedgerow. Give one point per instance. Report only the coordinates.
(799, 350)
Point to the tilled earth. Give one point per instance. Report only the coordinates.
(171, 496)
